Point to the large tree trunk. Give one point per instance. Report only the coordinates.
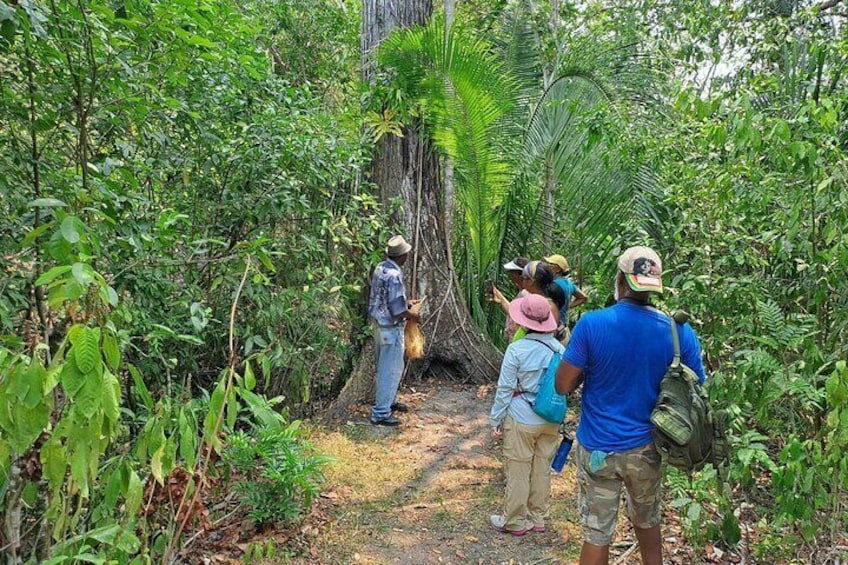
(407, 168)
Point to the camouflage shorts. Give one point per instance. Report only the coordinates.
(638, 470)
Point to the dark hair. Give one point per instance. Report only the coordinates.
(521, 261)
(555, 293)
(544, 279)
(541, 275)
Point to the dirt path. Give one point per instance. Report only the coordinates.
(423, 493)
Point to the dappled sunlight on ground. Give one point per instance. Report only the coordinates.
(423, 493)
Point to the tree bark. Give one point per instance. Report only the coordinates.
(407, 169)
(450, 11)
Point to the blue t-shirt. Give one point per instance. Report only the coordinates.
(568, 288)
(624, 351)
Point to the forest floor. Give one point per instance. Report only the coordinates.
(423, 492)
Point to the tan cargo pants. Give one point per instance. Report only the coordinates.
(528, 451)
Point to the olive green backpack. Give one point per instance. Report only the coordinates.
(686, 430)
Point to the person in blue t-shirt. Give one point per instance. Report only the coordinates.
(574, 297)
(621, 354)
(558, 265)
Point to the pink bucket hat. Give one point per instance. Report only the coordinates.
(533, 312)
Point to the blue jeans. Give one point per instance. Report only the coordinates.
(388, 348)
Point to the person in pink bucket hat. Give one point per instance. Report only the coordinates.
(529, 442)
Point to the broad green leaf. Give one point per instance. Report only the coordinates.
(5, 459)
(188, 439)
(211, 424)
(32, 235)
(111, 351)
(261, 409)
(51, 379)
(69, 230)
(111, 397)
(108, 295)
(90, 558)
(87, 350)
(232, 410)
(79, 469)
(71, 377)
(266, 370)
(53, 462)
(134, 493)
(113, 535)
(90, 397)
(19, 381)
(29, 423)
(114, 486)
(694, 512)
(35, 376)
(141, 388)
(52, 274)
(82, 273)
(249, 378)
(156, 464)
(46, 203)
(127, 542)
(75, 332)
(216, 402)
(836, 387)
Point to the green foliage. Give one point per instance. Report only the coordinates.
(148, 153)
(188, 167)
(752, 166)
(745, 202)
(509, 130)
(452, 80)
(257, 551)
(280, 473)
(69, 437)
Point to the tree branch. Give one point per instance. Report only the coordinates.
(828, 4)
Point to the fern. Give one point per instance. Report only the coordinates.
(770, 317)
(280, 473)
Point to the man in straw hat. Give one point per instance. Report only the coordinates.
(621, 354)
(389, 310)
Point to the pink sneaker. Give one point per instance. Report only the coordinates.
(539, 528)
(497, 523)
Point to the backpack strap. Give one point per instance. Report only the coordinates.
(679, 317)
(542, 342)
(521, 391)
(675, 340)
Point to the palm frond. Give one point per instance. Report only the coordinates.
(451, 76)
(578, 127)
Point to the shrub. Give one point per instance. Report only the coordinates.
(280, 472)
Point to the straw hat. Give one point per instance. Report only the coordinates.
(397, 246)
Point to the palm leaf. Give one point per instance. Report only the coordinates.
(450, 75)
(575, 127)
